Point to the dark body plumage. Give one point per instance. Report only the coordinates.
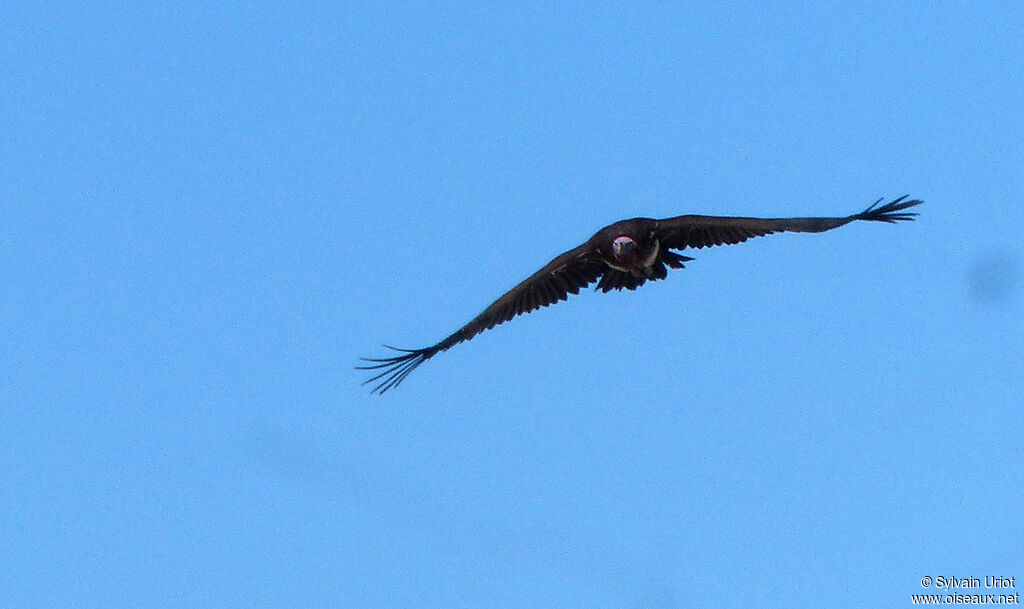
(622, 255)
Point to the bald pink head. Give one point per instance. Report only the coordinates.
(623, 247)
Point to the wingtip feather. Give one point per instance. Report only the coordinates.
(393, 370)
(891, 212)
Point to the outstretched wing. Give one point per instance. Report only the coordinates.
(564, 275)
(705, 231)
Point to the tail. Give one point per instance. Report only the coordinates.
(891, 212)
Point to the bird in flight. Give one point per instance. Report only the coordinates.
(626, 254)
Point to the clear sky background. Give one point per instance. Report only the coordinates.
(208, 213)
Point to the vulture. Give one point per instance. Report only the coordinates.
(626, 254)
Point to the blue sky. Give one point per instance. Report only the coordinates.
(210, 212)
